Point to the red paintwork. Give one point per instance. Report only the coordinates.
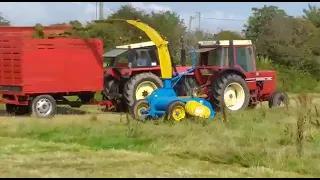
(27, 31)
(269, 86)
(205, 75)
(118, 72)
(44, 66)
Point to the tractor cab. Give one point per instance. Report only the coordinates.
(227, 54)
(231, 58)
(215, 56)
(138, 55)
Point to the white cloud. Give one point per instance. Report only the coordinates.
(150, 7)
(30, 13)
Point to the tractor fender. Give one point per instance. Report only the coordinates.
(231, 71)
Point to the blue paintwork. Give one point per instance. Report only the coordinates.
(160, 99)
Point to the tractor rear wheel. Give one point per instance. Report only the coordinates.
(140, 86)
(230, 90)
(111, 85)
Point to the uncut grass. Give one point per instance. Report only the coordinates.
(254, 138)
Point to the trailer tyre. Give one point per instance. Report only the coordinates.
(230, 90)
(18, 110)
(140, 86)
(44, 106)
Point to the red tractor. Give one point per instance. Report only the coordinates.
(227, 74)
(126, 79)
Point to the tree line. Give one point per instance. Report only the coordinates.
(286, 40)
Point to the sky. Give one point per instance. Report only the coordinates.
(46, 13)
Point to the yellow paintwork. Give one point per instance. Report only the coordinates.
(234, 96)
(161, 44)
(142, 107)
(178, 113)
(145, 87)
(195, 108)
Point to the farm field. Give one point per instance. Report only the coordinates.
(252, 143)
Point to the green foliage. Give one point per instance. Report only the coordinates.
(228, 35)
(291, 42)
(312, 14)
(3, 21)
(290, 79)
(38, 32)
(259, 17)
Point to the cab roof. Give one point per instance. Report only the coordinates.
(224, 42)
(137, 45)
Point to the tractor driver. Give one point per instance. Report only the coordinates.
(142, 59)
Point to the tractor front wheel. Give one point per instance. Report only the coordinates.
(230, 90)
(278, 99)
(140, 86)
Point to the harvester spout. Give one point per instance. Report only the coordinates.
(161, 44)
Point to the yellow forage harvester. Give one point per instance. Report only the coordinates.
(195, 108)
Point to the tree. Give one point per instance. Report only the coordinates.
(3, 21)
(172, 28)
(292, 42)
(312, 14)
(228, 35)
(259, 18)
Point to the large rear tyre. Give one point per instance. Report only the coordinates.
(111, 86)
(140, 86)
(44, 106)
(230, 90)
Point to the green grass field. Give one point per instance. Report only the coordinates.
(254, 143)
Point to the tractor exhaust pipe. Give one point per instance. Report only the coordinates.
(183, 53)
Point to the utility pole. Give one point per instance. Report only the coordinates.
(190, 22)
(199, 19)
(100, 10)
(96, 10)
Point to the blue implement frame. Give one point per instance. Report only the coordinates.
(161, 98)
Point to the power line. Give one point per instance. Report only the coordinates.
(223, 19)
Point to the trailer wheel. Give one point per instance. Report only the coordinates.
(278, 99)
(18, 110)
(140, 86)
(176, 111)
(230, 90)
(44, 106)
